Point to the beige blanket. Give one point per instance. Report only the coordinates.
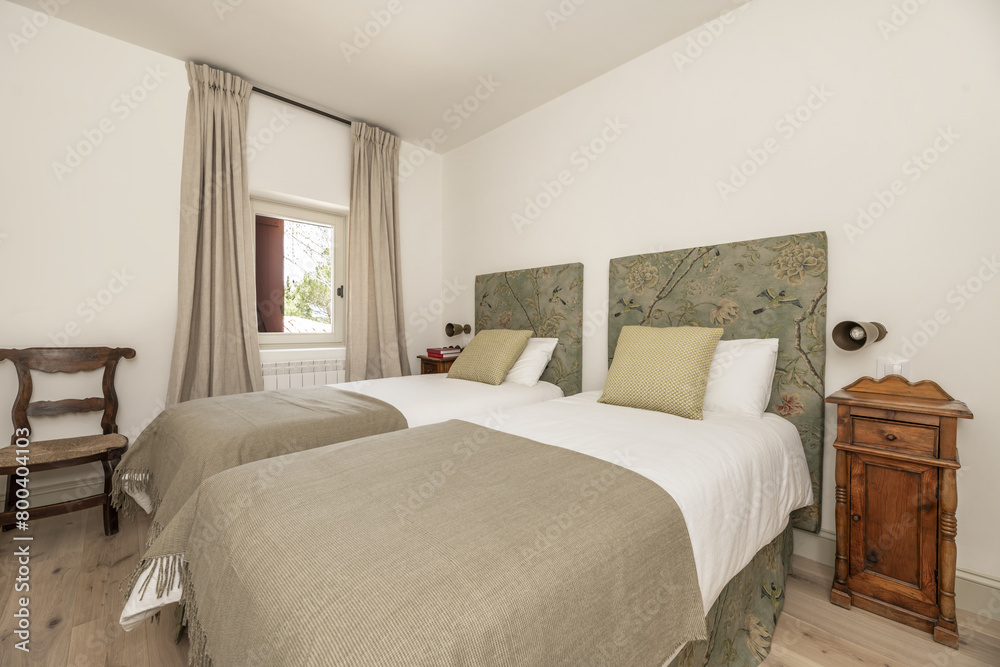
(192, 441)
(449, 544)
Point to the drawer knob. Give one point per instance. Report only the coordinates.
(855, 517)
(890, 437)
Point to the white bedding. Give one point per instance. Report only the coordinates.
(736, 478)
(429, 399)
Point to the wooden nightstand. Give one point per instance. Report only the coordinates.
(432, 365)
(896, 498)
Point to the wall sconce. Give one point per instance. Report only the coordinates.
(852, 336)
(456, 329)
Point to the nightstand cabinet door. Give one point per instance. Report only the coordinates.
(893, 531)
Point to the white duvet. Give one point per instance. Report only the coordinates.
(429, 399)
(735, 478)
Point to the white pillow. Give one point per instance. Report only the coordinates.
(741, 376)
(532, 362)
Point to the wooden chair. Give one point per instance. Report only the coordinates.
(65, 452)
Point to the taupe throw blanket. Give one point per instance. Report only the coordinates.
(449, 544)
(189, 442)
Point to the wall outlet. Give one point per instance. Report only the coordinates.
(892, 366)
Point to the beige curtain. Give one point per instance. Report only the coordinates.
(376, 342)
(215, 345)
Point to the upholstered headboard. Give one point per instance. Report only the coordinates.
(549, 301)
(765, 288)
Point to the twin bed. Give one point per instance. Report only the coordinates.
(192, 441)
(567, 531)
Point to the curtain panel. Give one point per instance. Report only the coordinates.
(376, 341)
(215, 344)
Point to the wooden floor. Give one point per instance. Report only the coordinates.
(75, 604)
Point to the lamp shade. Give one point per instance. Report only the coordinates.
(852, 336)
(455, 329)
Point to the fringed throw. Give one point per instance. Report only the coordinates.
(449, 544)
(192, 441)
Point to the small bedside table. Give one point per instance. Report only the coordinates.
(897, 454)
(432, 365)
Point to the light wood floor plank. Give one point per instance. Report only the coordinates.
(105, 562)
(89, 642)
(55, 568)
(76, 572)
(807, 604)
(160, 643)
(802, 643)
(986, 622)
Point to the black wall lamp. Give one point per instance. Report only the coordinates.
(852, 336)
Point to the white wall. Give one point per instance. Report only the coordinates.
(685, 124)
(62, 240)
(67, 233)
(425, 293)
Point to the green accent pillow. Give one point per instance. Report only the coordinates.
(489, 355)
(662, 369)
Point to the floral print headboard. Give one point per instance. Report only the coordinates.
(549, 301)
(765, 288)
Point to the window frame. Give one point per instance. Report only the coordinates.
(316, 216)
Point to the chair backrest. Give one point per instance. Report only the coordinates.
(66, 360)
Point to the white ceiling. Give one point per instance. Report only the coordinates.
(429, 56)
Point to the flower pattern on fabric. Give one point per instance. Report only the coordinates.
(741, 622)
(725, 313)
(790, 406)
(761, 288)
(549, 301)
(758, 639)
(640, 277)
(798, 261)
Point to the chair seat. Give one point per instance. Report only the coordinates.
(64, 452)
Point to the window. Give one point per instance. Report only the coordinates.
(301, 265)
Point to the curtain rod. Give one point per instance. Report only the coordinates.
(300, 105)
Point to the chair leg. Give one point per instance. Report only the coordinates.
(110, 513)
(9, 499)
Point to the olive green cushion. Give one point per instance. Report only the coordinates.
(662, 369)
(489, 355)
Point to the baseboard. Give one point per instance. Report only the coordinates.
(46, 492)
(974, 591)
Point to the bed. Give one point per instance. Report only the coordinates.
(762, 288)
(739, 482)
(716, 485)
(194, 440)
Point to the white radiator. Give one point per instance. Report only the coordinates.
(293, 374)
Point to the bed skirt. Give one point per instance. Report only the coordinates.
(742, 620)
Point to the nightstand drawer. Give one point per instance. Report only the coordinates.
(895, 435)
(432, 365)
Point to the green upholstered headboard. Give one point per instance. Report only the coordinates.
(764, 288)
(549, 301)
